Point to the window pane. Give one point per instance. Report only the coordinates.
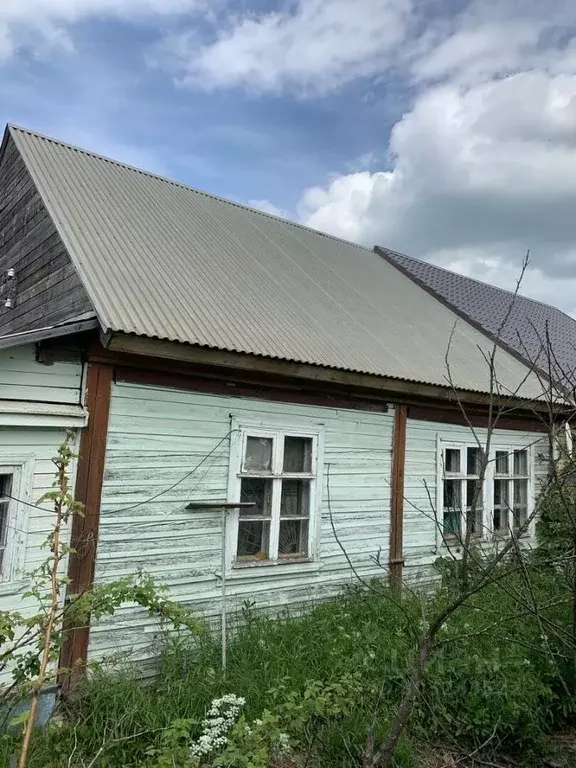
(452, 494)
(295, 499)
(258, 453)
(253, 538)
(520, 462)
(293, 539)
(473, 461)
(474, 494)
(474, 505)
(297, 454)
(501, 492)
(451, 522)
(520, 515)
(501, 463)
(3, 522)
(500, 519)
(451, 460)
(5, 486)
(520, 492)
(259, 492)
(452, 506)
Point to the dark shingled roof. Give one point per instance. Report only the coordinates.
(527, 327)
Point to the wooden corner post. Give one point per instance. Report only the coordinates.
(84, 535)
(396, 560)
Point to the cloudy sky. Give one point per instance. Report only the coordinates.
(442, 128)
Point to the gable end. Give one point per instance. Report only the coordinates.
(45, 289)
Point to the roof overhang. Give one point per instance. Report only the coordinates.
(76, 325)
(395, 389)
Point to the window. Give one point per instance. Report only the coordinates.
(277, 476)
(13, 518)
(462, 490)
(6, 520)
(511, 481)
(499, 504)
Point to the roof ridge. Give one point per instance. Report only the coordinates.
(474, 279)
(167, 180)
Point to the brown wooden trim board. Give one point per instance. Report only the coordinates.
(396, 557)
(84, 535)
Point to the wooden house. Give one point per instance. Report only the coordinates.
(208, 355)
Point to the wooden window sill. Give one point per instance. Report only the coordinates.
(271, 567)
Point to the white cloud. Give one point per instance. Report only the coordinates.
(313, 46)
(483, 165)
(267, 207)
(40, 24)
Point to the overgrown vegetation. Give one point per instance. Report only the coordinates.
(495, 683)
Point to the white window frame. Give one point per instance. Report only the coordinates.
(12, 568)
(510, 478)
(277, 433)
(487, 527)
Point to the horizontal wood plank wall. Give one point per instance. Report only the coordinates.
(48, 289)
(157, 436)
(85, 529)
(22, 378)
(37, 446)
(420, 482)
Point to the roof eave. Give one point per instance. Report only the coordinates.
(49, 332)
(396, 389)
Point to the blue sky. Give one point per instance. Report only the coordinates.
(446, 130)
(109, 95)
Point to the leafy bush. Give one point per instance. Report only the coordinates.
(326, 676)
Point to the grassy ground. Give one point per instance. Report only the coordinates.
(493, 688)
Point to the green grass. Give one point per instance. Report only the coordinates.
(491, 680)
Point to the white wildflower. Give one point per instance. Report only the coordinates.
(220, 719)
(282, 744)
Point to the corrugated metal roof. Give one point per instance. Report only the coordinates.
(525, 325)
(163, 260)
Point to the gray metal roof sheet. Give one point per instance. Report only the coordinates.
(539, 333)
(161, 259)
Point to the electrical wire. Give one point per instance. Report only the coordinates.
(140, 503)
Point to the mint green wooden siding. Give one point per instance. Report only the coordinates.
(38, 403)
(35, 447)
(156, 436)
(23, 378)
(421, 481)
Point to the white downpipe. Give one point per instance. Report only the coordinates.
(223, 596)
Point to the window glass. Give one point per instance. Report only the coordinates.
(258, 454)
(520, 462)
(501, 462)
(452, 460)
(293, 539)
(297, 454)
(253, 538)
(295, 499)
(5, 491)
(473, 461)
(257, 491)
(452, 505)
(500, 516)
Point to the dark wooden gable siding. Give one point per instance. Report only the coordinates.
(47, 289)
